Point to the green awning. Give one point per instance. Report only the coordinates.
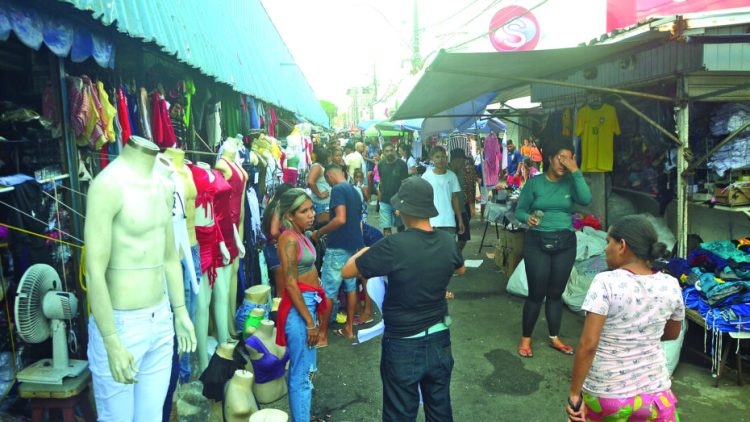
(234, 41)
(454, 78)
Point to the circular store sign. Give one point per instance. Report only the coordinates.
(514, 28)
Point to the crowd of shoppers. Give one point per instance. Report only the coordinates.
(426, 222)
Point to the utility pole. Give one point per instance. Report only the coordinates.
(416, 60)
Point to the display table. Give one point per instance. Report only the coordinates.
(697, 318)
(72, 392)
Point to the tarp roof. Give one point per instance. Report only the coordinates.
(454, 78)
(235, 42)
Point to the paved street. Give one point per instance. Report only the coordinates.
(490, 381)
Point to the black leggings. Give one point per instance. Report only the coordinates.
(547, 273)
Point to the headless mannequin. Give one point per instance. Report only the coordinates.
(239, 402)
(205, 218)
(128, 236)
(255, 297)
(177, 157)
(226, 352)
(270, 391)
(269, 415)
(253, 320)
(230, 154)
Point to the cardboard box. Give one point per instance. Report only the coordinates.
(509, 250)
(732, 196)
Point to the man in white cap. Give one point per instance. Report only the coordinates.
(419, 263)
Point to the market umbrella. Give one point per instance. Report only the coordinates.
(374, 131)
(365, 124)
(402, 125)
(459, 116)
(485, 126)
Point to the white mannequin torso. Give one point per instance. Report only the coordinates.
(133, 206)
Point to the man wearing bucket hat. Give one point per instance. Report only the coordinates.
(419, 263)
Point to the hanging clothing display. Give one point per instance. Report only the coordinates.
(492, 156)
(161, 127)
(123, 116)
(597, 127)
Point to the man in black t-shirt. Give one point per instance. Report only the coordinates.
(419, 263)
(392, 172)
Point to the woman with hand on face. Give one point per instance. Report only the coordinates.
(297, 325)
(549, 250)
(620, 372)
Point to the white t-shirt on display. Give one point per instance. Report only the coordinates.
(443, 186)
(629, 359)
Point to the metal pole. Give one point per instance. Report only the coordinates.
(70, 152)
(640, 114)
(682, 130)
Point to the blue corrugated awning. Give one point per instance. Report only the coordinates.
(234, 41)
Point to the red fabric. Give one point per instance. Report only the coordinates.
(290, 176)
(123, 116)
(286, 305)
(272, 126)
(237, 182)
(223, 214)
(161, 126)
(208, 237)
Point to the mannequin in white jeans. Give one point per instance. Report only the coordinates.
(130, 252)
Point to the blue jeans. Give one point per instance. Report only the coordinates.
(410, 365)
(388, 218)
(333, 262)
(302, 361)
(191, 300)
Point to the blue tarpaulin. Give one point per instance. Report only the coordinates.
(460, 116)
(233, 41)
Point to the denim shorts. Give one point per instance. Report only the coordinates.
(388, 218)
(271, 253)
(320, 208)
(333, 262)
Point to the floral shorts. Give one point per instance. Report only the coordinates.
(643, 407)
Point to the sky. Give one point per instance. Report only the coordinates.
(339, 44)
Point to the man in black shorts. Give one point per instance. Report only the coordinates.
(419, 263)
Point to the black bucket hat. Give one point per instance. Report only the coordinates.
(415, 198)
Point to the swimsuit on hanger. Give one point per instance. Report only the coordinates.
(208, 237)
(269, 367)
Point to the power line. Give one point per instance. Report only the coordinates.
(450, 16)
(493, 4)
(498, 27)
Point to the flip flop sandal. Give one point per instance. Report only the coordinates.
(340, 332)
(564, 349)
(358, 321)
(525, 352)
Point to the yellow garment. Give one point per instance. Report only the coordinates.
(108, 112)
(90, 132)
(567, 122)
(597, 127)
(276, 151)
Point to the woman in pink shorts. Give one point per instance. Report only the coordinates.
(620, 372)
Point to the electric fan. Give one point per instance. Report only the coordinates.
(40, 310)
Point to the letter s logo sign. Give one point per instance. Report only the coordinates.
(514, 28)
